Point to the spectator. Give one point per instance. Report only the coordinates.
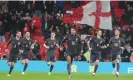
(131, 57)
(57, 21)
(58, 34)
(39, 6)
(2, 37)
(49, 6)
(35, 51)
(62, 29)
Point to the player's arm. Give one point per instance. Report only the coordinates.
(64, 39)
(45, 44)
(88, 43)
(21, 47)
(82, 45)
(103, 46)
(33, 43)
(57, 44)
(110, 42)
(8, 43)
(123, 44)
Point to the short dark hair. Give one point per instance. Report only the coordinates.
(17, 31)
(98, 30)
(117, 29)
(73, 28)
(52, 31)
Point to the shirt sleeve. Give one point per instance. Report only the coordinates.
(64, 39)
(57, 42)
(46, 42)
(110, 41)
(123, 42)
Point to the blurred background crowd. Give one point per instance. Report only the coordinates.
(42, 17)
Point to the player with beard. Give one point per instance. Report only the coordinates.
(95, 45)
(116, 44)
(72, 48)
(16, 46)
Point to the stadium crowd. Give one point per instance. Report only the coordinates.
(40, 18)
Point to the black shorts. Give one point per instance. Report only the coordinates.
(70, 54)
(12, 58)
(115, 56)
(94, 57)
(25, 56)
(50, 59)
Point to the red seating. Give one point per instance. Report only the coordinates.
(7, 36)
(3, 48)
(43, 52)
(118, 13)
(115, 4)
(67, 18)
(77, 14)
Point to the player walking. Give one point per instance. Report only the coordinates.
(116, 44)
(16, 46)
(73, 40)
(51, 44)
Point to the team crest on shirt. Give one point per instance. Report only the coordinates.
(54, 43)
(73, 43)
(18, 43)
(100, 42)
(119, 41)
(76, 39)
(115, 44)
(26, 45)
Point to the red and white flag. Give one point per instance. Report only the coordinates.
(97, 14)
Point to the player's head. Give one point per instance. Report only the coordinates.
(18, 34)
(53, 34)
(27, 34)
(99, 33)
(117, 32)
(73, 31)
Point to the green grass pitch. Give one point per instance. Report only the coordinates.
(63, 76)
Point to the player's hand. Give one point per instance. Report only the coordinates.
(32, 46)
(107, 45)
(122, 48)
(90, 49)
(81, 52)
(47, 47)
(6, 50)
(61, 48)
(21, 51)
(103, 47)
(79, 57)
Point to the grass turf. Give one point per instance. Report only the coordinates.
(63, 76)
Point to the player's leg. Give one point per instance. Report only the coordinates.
(25, 65)
(48, 60)
(11, 62)
(52, 59)
(96, 60)
(11, 68)
(52, 63)
(118, 65)
(69, 62)
(92, 60)
(113, 56)
(23, 62)
(96, 66)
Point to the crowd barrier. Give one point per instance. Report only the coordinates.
(60, 66)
